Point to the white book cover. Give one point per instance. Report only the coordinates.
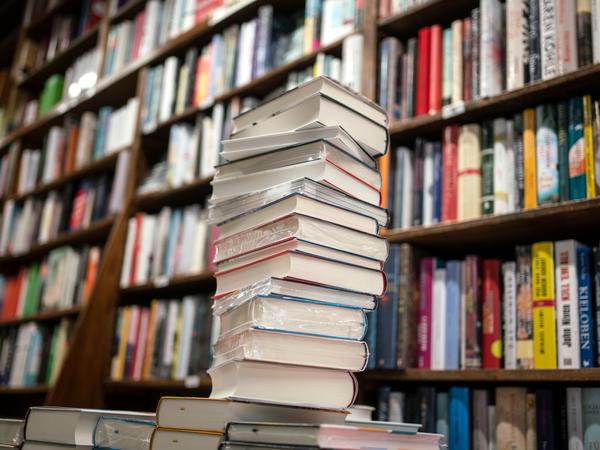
(9, 207)
(500, 167)
(117, 191)
(509, 302)
(126, 268)
(428, 184)
(491, 43)
(169, 344)
(18, 366)
(189, 15)
(176, 18)
(144, 255)
(511, 161)
(457, 61)
(168, 89)
(567, 304)
(407, 187)
(574, 418)
(185, 345)
(199, 256)
(517, 34)
(158, 251)
(596, 30)
(566, 36)
(218, 117)
(548, 39)
(165, 22)
(352, 49)
(438, 315)
(190, 218)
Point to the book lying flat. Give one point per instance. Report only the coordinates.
(174, 439)
(11, 431)
(270, 312)
(317, 200)
(294, 290)
(321, 85)
(318, 170)
(298, 154)
(70, 426)
(34, 445)
(305, 228)
(317, 111)
(227, 445)
(331, 436)
(214, 414)
(291, 348)
(284, 384)
(235, 149)
(299, 266)
(123, 433)
(298, 245)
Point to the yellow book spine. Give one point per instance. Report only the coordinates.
(529, 159)
(123, 344)
(544, 328)
(146, 370)
(588, 143)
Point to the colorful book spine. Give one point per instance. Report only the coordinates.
(530, 197)
(588, 140)
(491, 315)
(576, 156)
(547, 155)
(423, 71)
(452, 338)
(460, 427)
(509, 303)
(447, 67)
(425, 309)
(387, 321)
(563, 149)
(450, 174)
(435, 71)
(535, 62)
(544, 332)
(487, 167)
(472, 314)
(586, 329)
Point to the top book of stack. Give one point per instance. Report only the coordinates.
(298, 258)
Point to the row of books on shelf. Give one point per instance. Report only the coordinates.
(504, 417)
(497, 48)
(172, 243)
(391, 7)
(170, 339)
(63, 279)
(8, 168)
(38, 220)
(32, 354)
(65, 28)
(538, 310)
(542, 156)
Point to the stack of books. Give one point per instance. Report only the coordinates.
(11, 433)
(298, 258)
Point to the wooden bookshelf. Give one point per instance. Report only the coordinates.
(43, 22)
(153, 201)
(202, 282)
(44, 316)
(493, 376)
(562, 87)
(203, 384)
(94, 233)
(23, 390)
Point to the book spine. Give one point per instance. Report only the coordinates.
(544, 333)
(491, 315)
(590, 398)
(423, 71)
(452, 338)
(491, 78)
(584, 32)
(457, 61)
(510, 417)
(425, 304)
(472, 313)
(529, 160)
(586, 341)
(509, 299)
(467, 56)
(438, 317)
(548, 39)
(566, 304)
(563, 150)
(535, 63)
(596, 266)
(480, 419)
(475, 52)
(408, 305)
(500, 166)
(516, 43)
(435, 71)
(530, 421)
(574, 418)
(547, 155)
(388, 313)
(447, 67)
(460, 420)
(588, 140)
(469, 172)
(487, 168)
(450, 174)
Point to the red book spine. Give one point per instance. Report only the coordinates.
(139, 218)
(435, 72)
(10, 297)
(450, 174)
(384, 8)
(137, 35)
(492, 322)
(78, 209)
(425, 307)
(423, 66)
(136, 347)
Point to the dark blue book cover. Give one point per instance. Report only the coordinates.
(387, 320)
(584, 289)
(383, 403)
(597, 301)
(520, 169)
(535, 57)
(459, 420)
(546, 414)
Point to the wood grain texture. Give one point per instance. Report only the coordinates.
(174, 287)
(43, 316)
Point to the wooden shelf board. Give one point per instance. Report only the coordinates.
(562, 87)
(483, 376)
(44, 21)
(93, 233)
(62, 60)
(153, 201)
(43, 316)
(24, 390)
(188, 283)
(105, 163)
(407, 23)
(113, 386)
(574, 219)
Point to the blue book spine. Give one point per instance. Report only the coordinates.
(452, 314)
(584, 289)
(384, 62)
(383, 403)
(459, 419)
(575, 158)
(437, 182)
(372, 339)
(387, 321)
(169, 260)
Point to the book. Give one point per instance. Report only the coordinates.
(585, 334)
(589, 400)
(173, 439)
(547, 155)
(543, 297)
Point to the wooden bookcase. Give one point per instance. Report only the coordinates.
(83, 380)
